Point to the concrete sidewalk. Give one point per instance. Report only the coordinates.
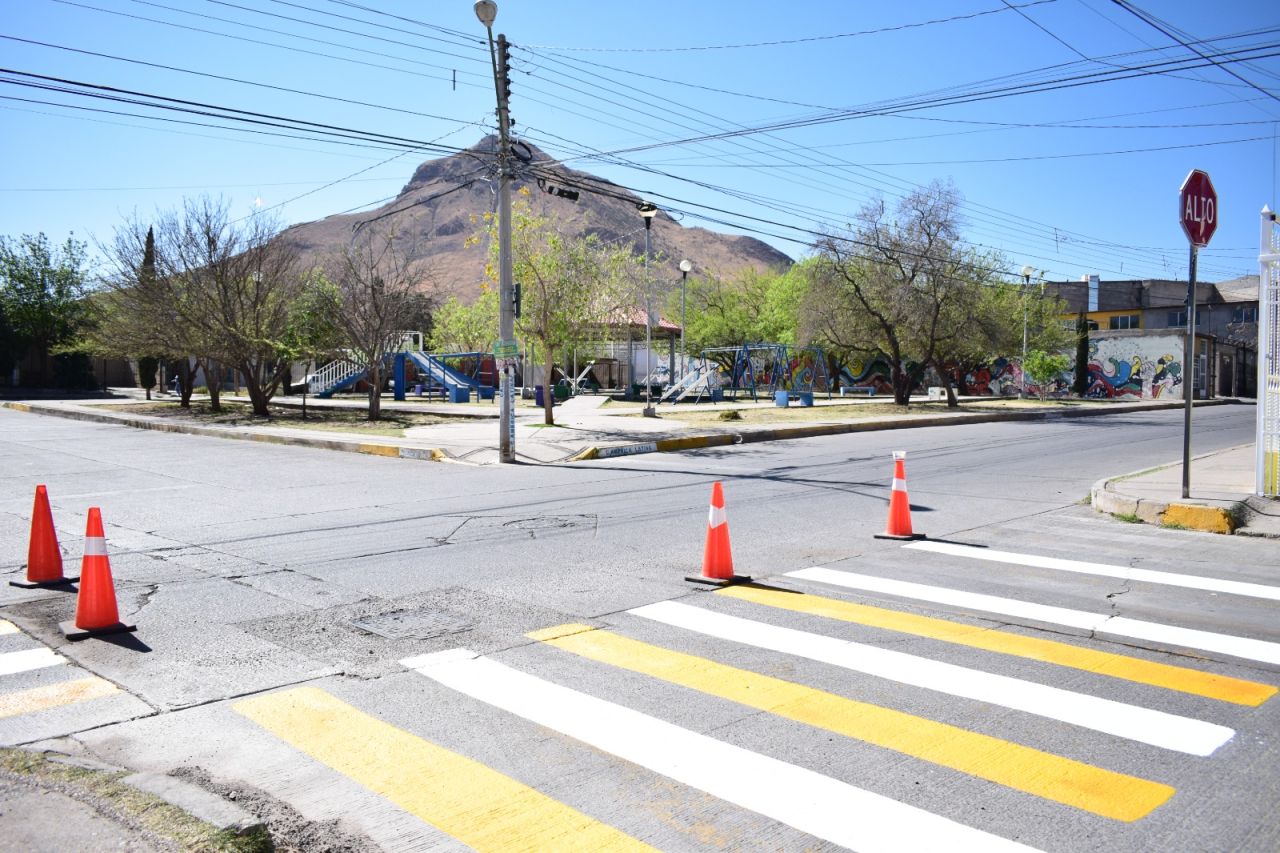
(1221, 496)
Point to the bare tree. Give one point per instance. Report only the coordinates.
(895, 284)
(382, 292)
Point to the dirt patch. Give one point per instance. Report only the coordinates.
(292, 832)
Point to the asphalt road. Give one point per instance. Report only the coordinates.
(286, 599)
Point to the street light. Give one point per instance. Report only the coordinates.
(487, 11)
(685, 266)
(648, 211)
(1026, 285)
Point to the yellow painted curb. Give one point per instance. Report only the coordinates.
(1212, 519)
(584, 455)
(380, 449)
(20, 407)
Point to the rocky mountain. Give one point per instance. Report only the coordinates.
(436, 213)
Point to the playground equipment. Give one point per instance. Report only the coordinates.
(455, 374)
(701, 378)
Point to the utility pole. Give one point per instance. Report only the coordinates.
(487, 12)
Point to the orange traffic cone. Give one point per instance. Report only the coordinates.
(899, 526)
(96, 612)
(717, 557)
(44, 559)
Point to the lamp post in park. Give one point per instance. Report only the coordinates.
(487, 11)
(685, 266)
(648, 211)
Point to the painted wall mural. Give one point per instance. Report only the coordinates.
(1139, 367)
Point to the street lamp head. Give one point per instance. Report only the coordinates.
(686, 265)
(486, 11)
(647, 209)
(1026, 273)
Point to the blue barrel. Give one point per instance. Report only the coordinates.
(806, 398)
(780, 399)
(538, 399)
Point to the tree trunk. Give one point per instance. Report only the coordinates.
(901, 384)
(375, 392)
(213, 384)
(186, 374)
(258, 395)
(548, 396)
(305, 386)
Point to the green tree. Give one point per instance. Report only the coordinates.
(42, 289)
(466, 328)
(1080, 382)
(147, 366)
(313, 333)
(571, 286)
(1043, 368)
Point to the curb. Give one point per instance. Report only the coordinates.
(197, 802)
(1192, 516)
(429, 454)
(719, 439)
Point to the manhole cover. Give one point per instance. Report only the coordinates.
(412, 624)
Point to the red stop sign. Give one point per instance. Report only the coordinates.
(1198, 208)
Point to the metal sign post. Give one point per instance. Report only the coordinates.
(1198, 215)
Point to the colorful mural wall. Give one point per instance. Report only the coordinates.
(1147, 367)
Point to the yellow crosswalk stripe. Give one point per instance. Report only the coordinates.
(463, 798)
(54, 695)
(1064, 780)
(1182, 679)
(8, 627)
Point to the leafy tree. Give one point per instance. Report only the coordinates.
(1043, 368)
(147, 366)
(313, 333)
(1080, 382)
(571, 285)
(42, 291)
(380, 296)
(466, 328)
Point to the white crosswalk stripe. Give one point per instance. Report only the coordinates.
(1141, 724)
(817, 804)
(951, 549)
(29, 659)
(1099, 623)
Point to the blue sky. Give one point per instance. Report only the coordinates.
(1039, 173)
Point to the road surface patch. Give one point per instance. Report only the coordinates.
(1193, 681)
(811, 802)
(1252, 590)
(1169, 731)
(1032, 771)
(1098, 623)
(480, 807)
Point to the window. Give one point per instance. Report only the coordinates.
(1178, 319)
(1244, 315)
(1126, 321)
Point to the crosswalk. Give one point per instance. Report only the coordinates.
(37, 685)
(1085, 726)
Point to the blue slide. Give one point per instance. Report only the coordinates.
(458, 386)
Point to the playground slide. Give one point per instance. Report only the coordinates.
(442, 373)
(694, 382)
(334, 377)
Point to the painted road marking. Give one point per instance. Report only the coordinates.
(29, 659)
(480, 807)
(1119, 626)
(1157, 728)
(1253, 590)
(8, 627)
(1043, 774)
(54, 695)
(1193, 681)
(813, 803)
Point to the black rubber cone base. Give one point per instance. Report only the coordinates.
(58, 584)
(736, 579)
(908, 537)
(71, 632)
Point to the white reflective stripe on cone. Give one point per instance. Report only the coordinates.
(717, 516)
(95, 546)
(899, 485)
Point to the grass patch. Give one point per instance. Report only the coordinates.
(104, 792)
(1173, 525)
(235, 413)
(1127, 517)
(730, 415)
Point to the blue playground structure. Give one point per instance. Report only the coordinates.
(455, 376)
(763, 369)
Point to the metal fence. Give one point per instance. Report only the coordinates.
(1267, 478)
